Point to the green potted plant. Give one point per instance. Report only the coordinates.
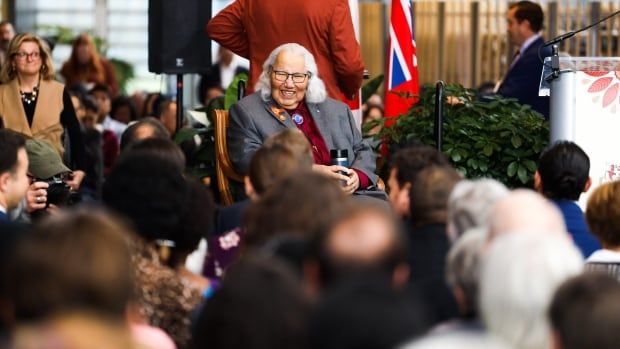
(497, 137)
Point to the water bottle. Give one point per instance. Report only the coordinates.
(340, 157)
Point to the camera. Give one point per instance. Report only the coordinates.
(58, 191)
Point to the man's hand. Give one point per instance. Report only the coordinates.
(36, 196)
(75, 182)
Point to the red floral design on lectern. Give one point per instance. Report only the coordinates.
(605, 84)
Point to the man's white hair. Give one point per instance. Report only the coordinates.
(315, 93)
(520, 273)
(525, 210)
(470, 204)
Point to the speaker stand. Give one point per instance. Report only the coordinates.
(179, 101)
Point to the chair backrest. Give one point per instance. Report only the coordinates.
(224, 170)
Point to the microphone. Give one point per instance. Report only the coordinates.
(570, 34)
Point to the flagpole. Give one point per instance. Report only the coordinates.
(355, 16)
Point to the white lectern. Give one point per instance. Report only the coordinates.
(585, 109)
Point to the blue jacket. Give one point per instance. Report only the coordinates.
(523, 79)
(577, 227)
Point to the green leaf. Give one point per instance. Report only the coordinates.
(231, 91)
(522, 174)
(482, 137)
(183, 134)
(484, 167)
(530, 165)
(488, 150)
(512, 169)
(473, 163)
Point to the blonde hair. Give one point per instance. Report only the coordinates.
(8, 71)
(603, 214)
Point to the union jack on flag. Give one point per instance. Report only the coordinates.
(402, 85)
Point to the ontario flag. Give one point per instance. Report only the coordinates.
(402, 85)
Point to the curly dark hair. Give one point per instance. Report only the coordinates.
(196, 222)
(148, 190)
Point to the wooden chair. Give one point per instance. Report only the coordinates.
(224, 170)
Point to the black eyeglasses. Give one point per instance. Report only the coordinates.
(298, 78)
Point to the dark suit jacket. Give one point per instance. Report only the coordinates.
(252, 121)
(523, 79)
(428, 248)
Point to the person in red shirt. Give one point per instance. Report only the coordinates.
(253, 28)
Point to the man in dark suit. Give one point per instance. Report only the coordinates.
(216, 80)
(13, 171)
(525, 20)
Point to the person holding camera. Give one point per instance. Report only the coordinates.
(33, 104)
(49, 188)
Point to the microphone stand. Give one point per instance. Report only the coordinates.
(562, 118)
(554, 43)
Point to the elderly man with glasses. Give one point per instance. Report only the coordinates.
(290, 94)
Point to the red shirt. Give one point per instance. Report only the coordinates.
(303, 119)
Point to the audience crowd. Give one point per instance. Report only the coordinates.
(101, 225)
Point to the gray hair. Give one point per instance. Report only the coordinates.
(470, 204)
(315, 93)
(463, 265)
(520, 273)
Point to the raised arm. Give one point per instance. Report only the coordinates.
(228, 30)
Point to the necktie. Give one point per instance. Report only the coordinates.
(515, 58)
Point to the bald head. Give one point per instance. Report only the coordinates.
(525, 210)
(366, 238)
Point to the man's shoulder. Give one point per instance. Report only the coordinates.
(536, 46)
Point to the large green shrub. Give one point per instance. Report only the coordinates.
(497, 138)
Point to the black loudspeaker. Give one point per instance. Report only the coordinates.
(178, 41)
